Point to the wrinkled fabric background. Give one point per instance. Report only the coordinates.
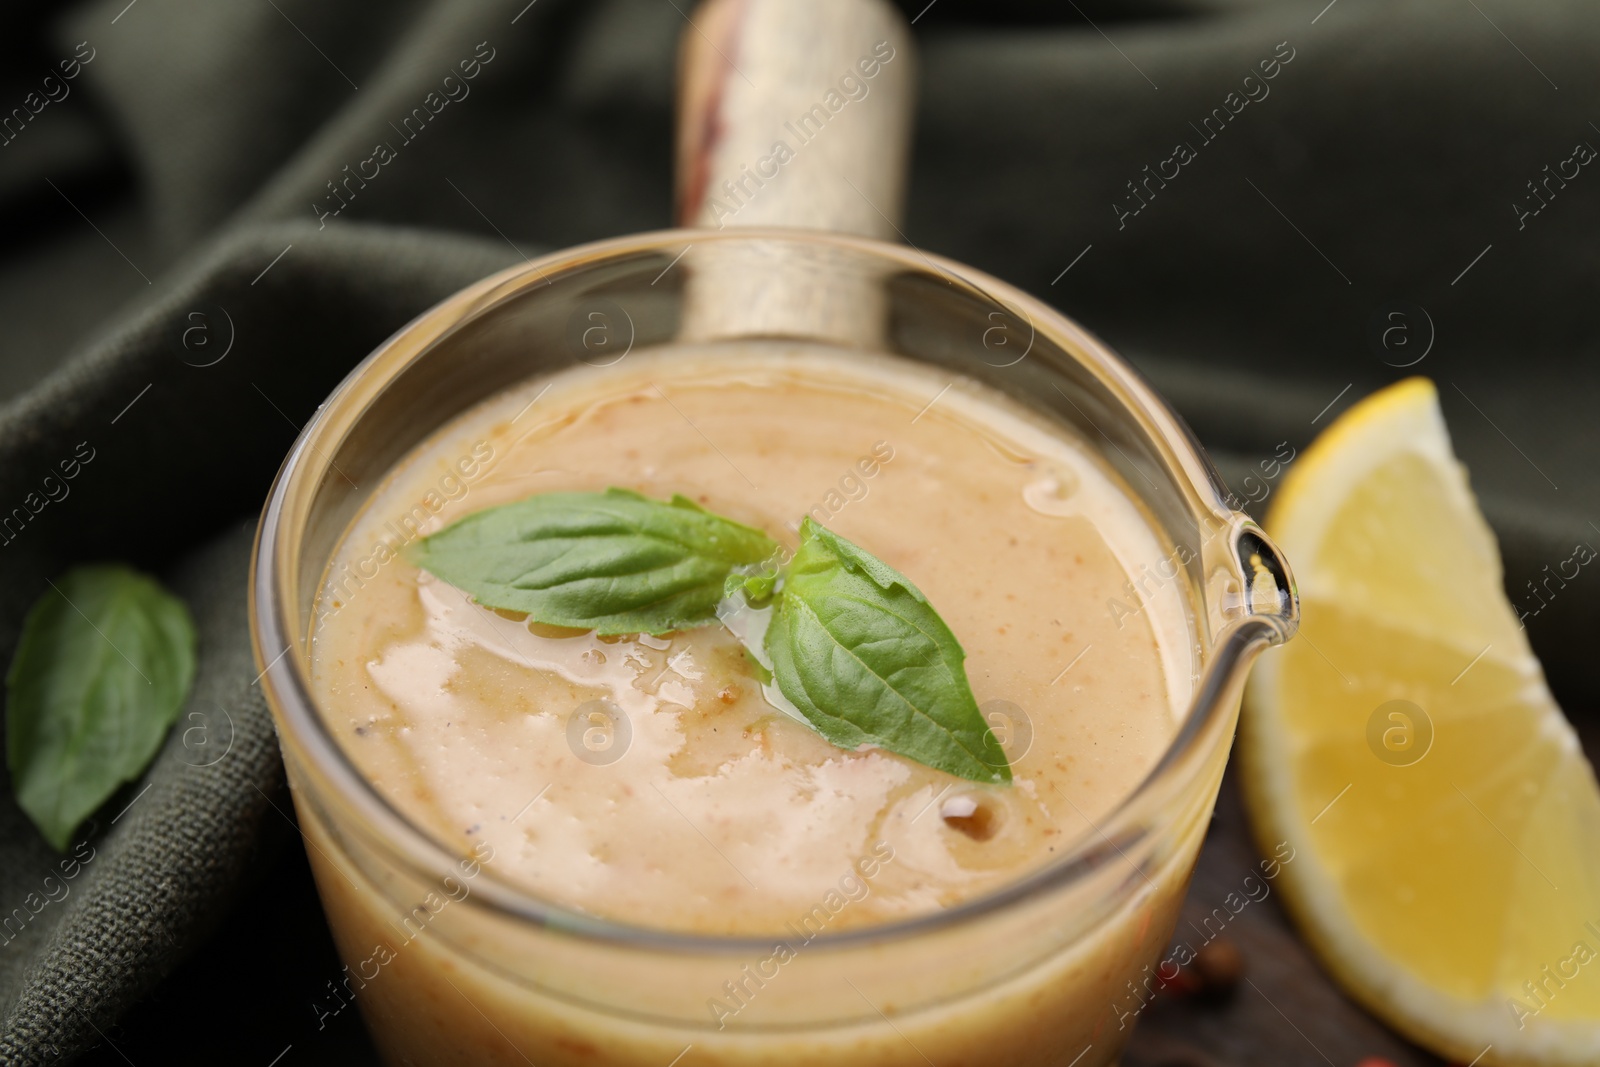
(161, 214)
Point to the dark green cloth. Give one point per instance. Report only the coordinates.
(164, 207)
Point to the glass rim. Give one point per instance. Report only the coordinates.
(286, 683)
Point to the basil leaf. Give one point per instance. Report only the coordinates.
(758, 582)
(614, 562)
(858, 649)
(105, 661)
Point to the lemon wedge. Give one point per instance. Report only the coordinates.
(1444, 821)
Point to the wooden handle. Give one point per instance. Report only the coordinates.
(795, 113)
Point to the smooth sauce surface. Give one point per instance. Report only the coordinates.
(647, 779)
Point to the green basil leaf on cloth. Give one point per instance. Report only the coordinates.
(105, 661)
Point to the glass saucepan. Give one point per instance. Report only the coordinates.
(450, 963)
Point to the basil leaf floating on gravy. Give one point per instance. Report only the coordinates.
(860, 652)
(615, 562)
(104, 663)
(854, 645)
